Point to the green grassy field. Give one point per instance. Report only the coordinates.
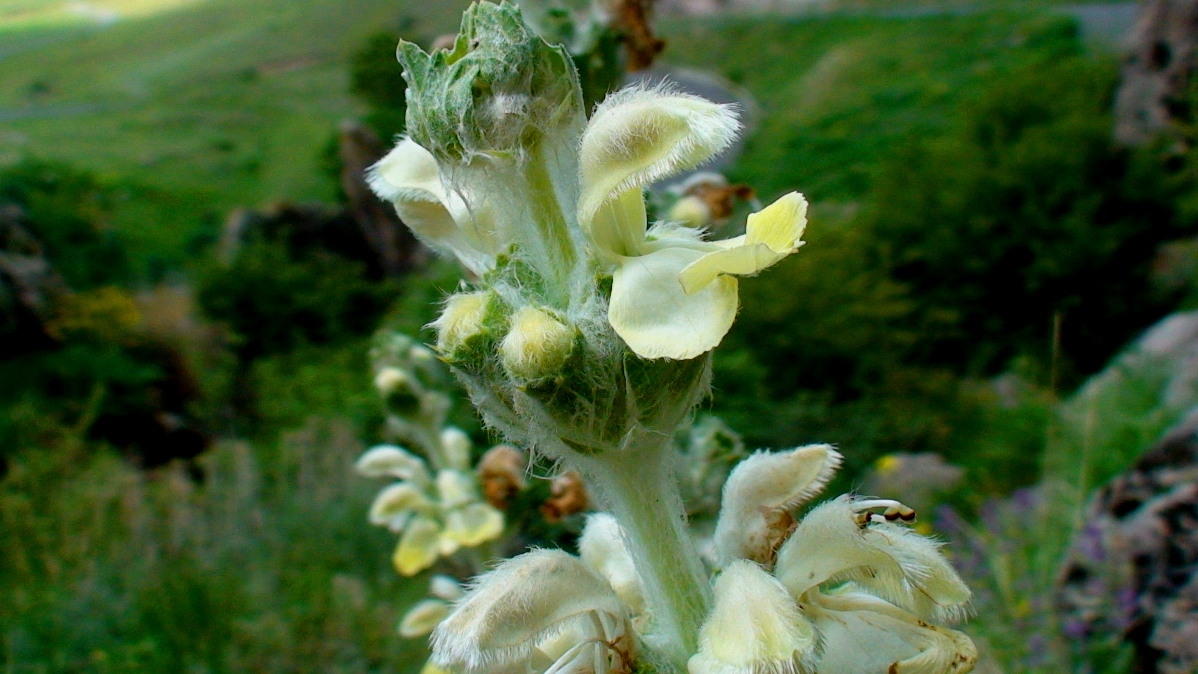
(199, 109)
(206, 106)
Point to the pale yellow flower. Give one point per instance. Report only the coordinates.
(434, 515)
(674, 295)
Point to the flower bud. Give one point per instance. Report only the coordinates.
(422, 356)
(537, 345)
(569, 496)
(392, 461)
(388, 379)
(399, 389)
(461, 319)
(690, 211)
(501, 472)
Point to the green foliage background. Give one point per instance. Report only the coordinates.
(972, 225)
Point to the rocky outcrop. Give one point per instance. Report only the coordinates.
(29, 285)
(363, 228)
(1162, 56)
(1133, 570)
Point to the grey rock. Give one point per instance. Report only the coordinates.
(1157, 71)
(1132, 571)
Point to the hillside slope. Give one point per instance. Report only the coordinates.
(211, 105)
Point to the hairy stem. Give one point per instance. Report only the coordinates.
(640, 489)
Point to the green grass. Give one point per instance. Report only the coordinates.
(227, 103)
(200, 109)
(266, 565)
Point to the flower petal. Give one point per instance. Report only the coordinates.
(828, 544)
(395, 501)
(455, 445)
(392, 461)
(473, 525)
(754, 628)
(889, 560)
(772, 234)
(757, 495)
(779, 225)
(419, 547)
(617, 228)
(638, 136)
(932, 590)
(523, 602)
(651, 312)
(445, 587)
(898, 642)
(409, 178)
(742, 261)
(602, 548)
(455, 489)
(423, 618)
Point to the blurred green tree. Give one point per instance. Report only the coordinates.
(1027, 231)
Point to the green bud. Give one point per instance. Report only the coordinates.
(500, 86)
(537, 345)
(502, 114)
(461, 319)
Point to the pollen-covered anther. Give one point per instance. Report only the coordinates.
(537, 345)
(891, 511)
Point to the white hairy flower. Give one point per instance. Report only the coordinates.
(544, 612)
(424, 617)
(864, 585)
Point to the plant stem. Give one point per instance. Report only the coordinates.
(642, 493)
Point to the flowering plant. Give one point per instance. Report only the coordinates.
(586, 335)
